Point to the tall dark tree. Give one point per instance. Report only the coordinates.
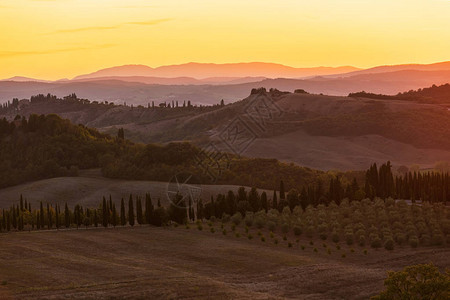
(139, 215)
(123, 218)
(105, 213)
(282, 195)
(130, 211)
(114, 216)
(148, 208)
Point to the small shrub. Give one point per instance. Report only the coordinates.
(200, 227)
(259, 233)
(271, 225)
(213, 219)
(246, 229)
(323, 235)
(248, 221)
(233, 227)
(237, 234)
(271, 235)
(343, 255)
(275, 241)
(236, 218)
(338, 247)
(303, 247)
(315, 250)
(365, 251)
(297, 230)
(224, 232)
(438, 240)
(284, 228)
(335, 237)
(259, 222)
(4, 282)
(212, 230)
(187, 226)
(226, 218)
(362, 240)
(329, 251)
(311, 243)
(284, 238)
(349, 238)
(389, 244)
(324, 245)
(376, 243)
(263, 239)
(290, 245)
(414, 241)
(352, 250)
(250, 236)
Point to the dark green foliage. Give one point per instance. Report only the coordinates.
(130, 211)
(139, 214)
(416, 282)
(148, 208)
(123, 218)
(177, 209)
(114, 216)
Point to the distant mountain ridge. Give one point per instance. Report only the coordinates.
(206, 70)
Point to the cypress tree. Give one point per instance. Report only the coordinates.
(14, 217)
(114, 216)
(148, 208)
(41, 216)
(95, 218)
(57, 216)
(130, 211)
(8, 221)
(274, 200)
(49, 217)
(282, 195)
(105, 213)
(139, 215)
(66, 216)
(21, 203)
(123, 218)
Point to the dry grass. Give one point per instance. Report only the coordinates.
(167, 263)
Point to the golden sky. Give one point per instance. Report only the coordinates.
(53, 39)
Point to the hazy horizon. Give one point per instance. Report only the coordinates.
(62, 39)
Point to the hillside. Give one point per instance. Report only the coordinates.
(142, 90)
(321, 132)
(90, 186)
(47, 146)
(205, 70)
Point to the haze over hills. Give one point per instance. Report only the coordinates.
(210, 83)
(206, 70)
(440, 66)
(321, 132)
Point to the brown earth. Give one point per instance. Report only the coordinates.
(167, 263)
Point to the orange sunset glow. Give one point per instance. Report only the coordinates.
(53, 39)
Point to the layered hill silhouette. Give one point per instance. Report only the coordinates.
(321, 132)
(210, 83)
(207, 70)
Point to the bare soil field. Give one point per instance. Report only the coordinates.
(167, 263)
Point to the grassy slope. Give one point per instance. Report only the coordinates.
(152, 263)
(380, 130)
(89, 188)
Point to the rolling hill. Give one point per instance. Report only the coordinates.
(317, 131)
